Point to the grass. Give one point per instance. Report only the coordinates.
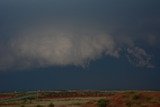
(69, 102)
(129, 98)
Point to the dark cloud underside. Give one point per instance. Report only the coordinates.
(48, 33)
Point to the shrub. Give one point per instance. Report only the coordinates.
(103, 103)
(39, 106)
(51, 105)
(129, 104)
(136, 97)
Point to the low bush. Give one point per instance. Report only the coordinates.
(51, 105)
(136, 97)
(39, 106)
(103, 103)
(129, 104)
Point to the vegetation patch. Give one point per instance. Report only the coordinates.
(39, 106)
(51, 105)
(103, 103)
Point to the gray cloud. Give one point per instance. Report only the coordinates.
(50, 47)
(56, 33)
(44, 46)
(138, 56)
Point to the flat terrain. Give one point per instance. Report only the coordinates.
(81, 99)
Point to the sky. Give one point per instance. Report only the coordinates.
(79, 44)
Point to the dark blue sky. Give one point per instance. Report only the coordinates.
(79, 44)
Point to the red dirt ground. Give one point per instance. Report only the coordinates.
(115, 99)
(131, 99)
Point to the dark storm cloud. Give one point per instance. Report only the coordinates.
(59, 32)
